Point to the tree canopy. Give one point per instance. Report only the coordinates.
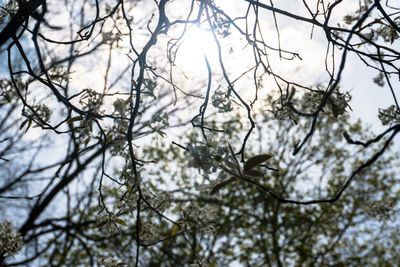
(251, 227)
(197, 132)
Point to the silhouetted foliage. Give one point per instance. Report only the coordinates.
(94, 93)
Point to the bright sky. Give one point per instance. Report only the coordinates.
(357, 78)
(191, 72)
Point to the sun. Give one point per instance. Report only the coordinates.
(197, 43)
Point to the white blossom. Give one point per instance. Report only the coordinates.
(106, 222)
(380, 209)
(91, 100)
(202, 217)
(159, 121)
(336, 104)
(10, 241)
(389, 115)
(149, 232)
(108, 262)
(196, 263)
(221, 100)
(160, 201)
(207, 156)
(281, 109)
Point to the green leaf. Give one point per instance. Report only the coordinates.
(126, 102)
(335, 110)
(29, 125)
(29, 121)
(256, 160)
(109, 139)
(121, 222)
(130, 189)
(153, 187)
(23, 124)
(393, 35)
(163, 134)
(86, 141)
(7, 96)
(77, 118)
(174, 229)
(253, 173)
(217, 187)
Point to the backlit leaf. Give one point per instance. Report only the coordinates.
(217, 187)
(174, 229)
(253, 173)
(77, 118)
(256, 160)
(109, 139)
(29, 125)
(23, 124)
(7, 96)
(121, 222)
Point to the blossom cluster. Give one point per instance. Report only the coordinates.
(221, 100)
(390, 115)
(310, 101)
(149, 232)
(336, 104)
(10, 241)
(160, 201)
(7, 90)
(281, 110)
(39, 113)
(380, 209)
(107, 222)
(199, 264)
(207, 156)
(91, 100)
(202, 217)
(109, 262)
(159, 121)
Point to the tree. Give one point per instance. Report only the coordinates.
(252, 227)
(99, 79)
(241, 222)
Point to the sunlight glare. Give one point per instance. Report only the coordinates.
(197, 43)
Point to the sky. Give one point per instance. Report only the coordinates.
(367, 97)
(191, 72)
